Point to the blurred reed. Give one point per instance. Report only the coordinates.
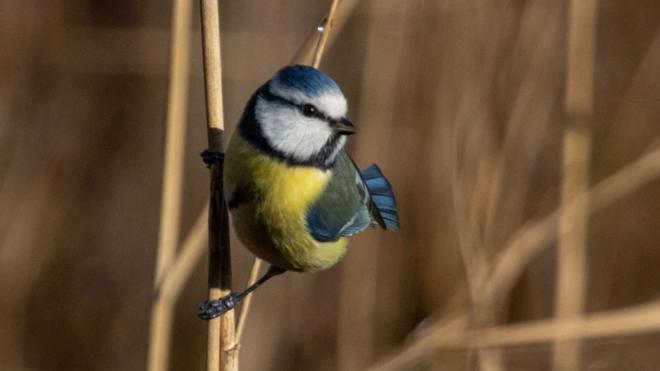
(570, 297)
(170, 214)
(460, 102)
(517, 255)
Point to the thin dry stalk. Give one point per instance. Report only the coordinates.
(307, 51)
(163, 308)
(527, 244)
(191, 252)
(329, 23)
(242, 319)
(572, 250)
(221, 350)
(530, 240)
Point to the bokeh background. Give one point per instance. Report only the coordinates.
(459, 101)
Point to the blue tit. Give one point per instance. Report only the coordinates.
(294, 194)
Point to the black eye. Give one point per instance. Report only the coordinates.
(308, 110)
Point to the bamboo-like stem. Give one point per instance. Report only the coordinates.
(305, 54)
(528, 243)
(242, 319)
(163, 308)
(191, 252)
(221, 347)
(329, 22)
(572, 249)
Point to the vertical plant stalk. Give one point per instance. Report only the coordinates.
(323, 41)
(519, 252)
(221, 347)
(576, 152)
(242, 320)
(163, 308)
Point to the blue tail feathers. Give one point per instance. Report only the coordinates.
(381, 196)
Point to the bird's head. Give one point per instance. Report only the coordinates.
(300, 116)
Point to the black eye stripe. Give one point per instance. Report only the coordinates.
(267, 95)
(317, 114)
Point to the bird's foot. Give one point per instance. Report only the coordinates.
(212, 157)
(210, 309)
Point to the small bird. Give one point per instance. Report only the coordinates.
(294, 194)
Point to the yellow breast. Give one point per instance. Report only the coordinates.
(273, 225)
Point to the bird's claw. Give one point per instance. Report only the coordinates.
(211, 157)
(210, 309)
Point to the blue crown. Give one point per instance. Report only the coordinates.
(307, 79)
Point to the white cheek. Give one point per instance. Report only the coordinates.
(290, 132)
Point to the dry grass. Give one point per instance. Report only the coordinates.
(461, 103)
(570, 297)
(515, 258)
(171, 199)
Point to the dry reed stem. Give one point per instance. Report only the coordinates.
(527, 244)
(163, 308)
(329, 23)
(308, 50)
(242, 319)
(572, 249)
(221, 351)
(530, 240)
(191, 252)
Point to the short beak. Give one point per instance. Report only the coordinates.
(343, 126)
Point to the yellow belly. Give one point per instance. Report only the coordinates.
(273, 225)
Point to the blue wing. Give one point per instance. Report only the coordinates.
(351, 202)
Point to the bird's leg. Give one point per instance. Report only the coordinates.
(210, 309)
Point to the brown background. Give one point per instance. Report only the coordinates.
(441, 91)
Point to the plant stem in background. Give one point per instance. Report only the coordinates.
(221, 347)
(572, 250)
(163, 308)
(328, 24)
(526, 245)
(245, 310)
